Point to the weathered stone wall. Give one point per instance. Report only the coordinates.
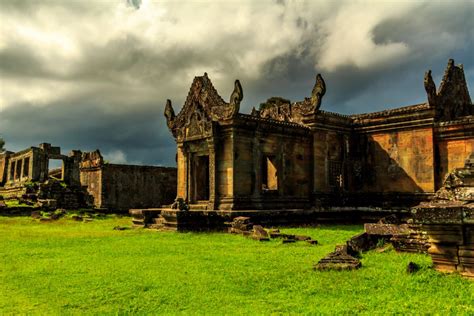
(122, 187)
(402, 161)
(91, 178)
(291, 156)
(329, 160)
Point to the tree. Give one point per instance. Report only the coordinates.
(2, 143)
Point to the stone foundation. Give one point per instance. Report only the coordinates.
(451, 234)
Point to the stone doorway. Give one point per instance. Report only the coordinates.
(200, 179)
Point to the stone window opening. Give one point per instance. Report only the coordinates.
(56, 169)
(12, 170)
(18, 170)
(335, 176)
(269, 174)
(26, 167)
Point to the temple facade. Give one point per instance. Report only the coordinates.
(293, 155)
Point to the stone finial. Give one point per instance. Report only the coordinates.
(169, 113)
(318, 92)
(236, 96)
(430, 88)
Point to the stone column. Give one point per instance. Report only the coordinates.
(212, 175)
(257, 161)
(181, 163)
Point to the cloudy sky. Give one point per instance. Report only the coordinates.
(96, 74)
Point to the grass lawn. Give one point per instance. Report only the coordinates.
(68, 267)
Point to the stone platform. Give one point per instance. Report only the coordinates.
(205, 220)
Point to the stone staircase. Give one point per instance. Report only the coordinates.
(199, 206)
(145, 217)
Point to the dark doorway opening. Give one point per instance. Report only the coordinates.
(201, 178)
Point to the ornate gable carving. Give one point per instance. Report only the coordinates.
(452, 99)
(283, 110)
(203, 106)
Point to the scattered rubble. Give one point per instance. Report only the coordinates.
(242, 225)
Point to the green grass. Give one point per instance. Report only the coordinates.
(16, 203)
(68, 267)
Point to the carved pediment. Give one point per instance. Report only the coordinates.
(203, 106)
(283, 110)
(452, 99)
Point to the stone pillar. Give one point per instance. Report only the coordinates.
(212, 175)
(257, 161)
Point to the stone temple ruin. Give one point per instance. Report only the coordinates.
(84, 180)
(27, 174)
(296, 156)
(289, 162)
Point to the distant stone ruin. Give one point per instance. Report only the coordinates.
(27, 175)
(82, 180)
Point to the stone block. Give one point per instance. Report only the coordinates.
(386, 229)
(438, 215)
(302, 238)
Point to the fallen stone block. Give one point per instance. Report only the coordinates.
(386, 229)
(77, 218)
(259, 232)
(121, 228)
(288, 241)
(261, 238)
(302, 238)
(312, 242)
(364, 242)
(338, 260)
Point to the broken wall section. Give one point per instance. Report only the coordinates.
(122, 187)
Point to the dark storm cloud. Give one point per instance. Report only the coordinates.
(82, 125)
(90, 75)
